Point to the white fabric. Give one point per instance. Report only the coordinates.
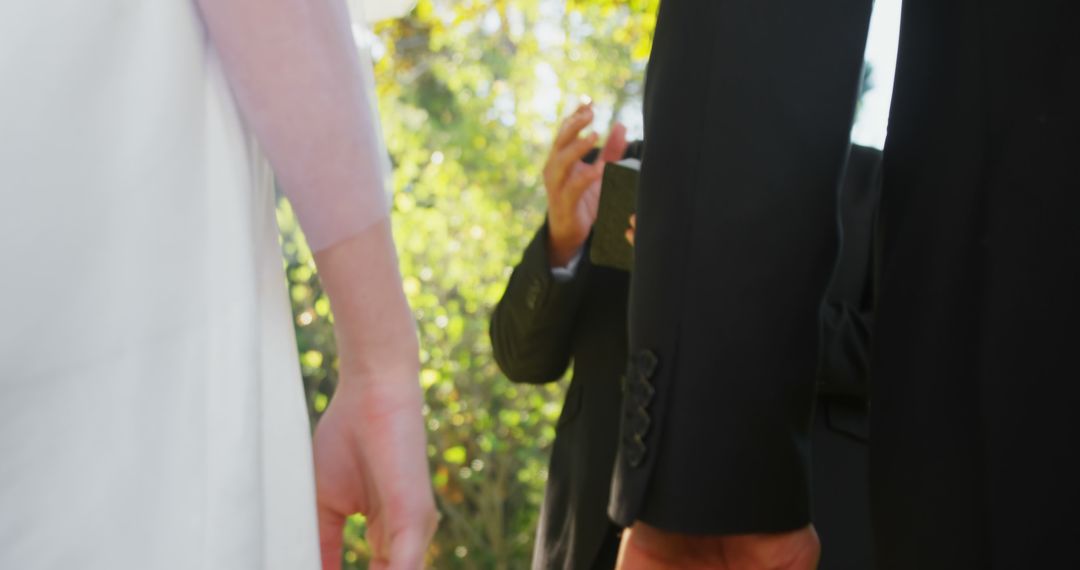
(372, 11)
(567, 272)
(306, 94)
(151, 410)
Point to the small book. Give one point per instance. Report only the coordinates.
(618, 200)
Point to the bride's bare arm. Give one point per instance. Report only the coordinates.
(306, 94)
(370, 445)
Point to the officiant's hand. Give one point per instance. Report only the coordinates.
(573, 187)
(370, 445)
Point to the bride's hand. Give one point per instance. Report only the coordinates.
(369, 459)
(370, 445)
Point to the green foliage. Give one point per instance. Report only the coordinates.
(470, 93)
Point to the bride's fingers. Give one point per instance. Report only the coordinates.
(331, 526)
(407, 551)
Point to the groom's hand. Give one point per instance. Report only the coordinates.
(648, 548)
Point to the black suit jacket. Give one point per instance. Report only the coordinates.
(974, 460)
(537, 329)
(541, 325)
(848, 310)
(737, 234)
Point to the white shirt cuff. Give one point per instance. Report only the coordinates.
(567, 272)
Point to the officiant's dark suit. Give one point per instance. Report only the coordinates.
(543, 323)
(540, 325)
(974, 461)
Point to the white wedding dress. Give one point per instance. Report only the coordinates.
(151, 409)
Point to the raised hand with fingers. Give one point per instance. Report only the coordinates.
(573, 187)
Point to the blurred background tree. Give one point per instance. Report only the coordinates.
(471, 93)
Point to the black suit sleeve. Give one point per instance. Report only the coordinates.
(531, 327)
(532, 324)
(845, 352)
(848, 311)
(748, 108)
